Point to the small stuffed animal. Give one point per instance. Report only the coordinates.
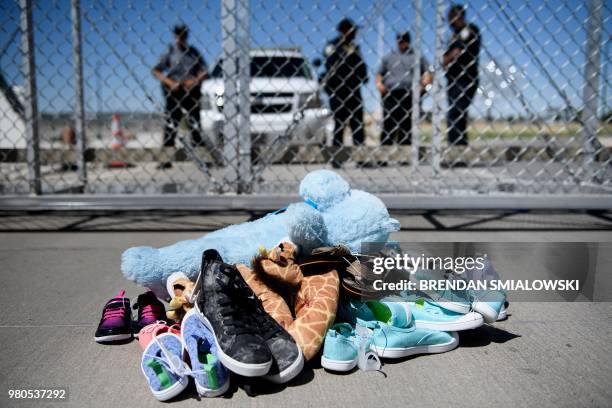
(309, 291)
(181, 289)
(331, 214)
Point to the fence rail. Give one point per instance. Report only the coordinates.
(494, 102)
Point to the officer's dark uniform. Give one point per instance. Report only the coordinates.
(462, 82)
(346, 72)
(181, 65)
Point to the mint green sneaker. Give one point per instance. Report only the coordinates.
(394, 334)
(339, 348)
(346, 347)
(503, 313)
(430, 315)
(457, 301)
(489, 303)
(426, 313)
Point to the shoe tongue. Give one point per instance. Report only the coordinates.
(146, 298)
(120, 298)
(225, 275)
(400, 314)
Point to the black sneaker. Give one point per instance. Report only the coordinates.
(288, 359)
(150, 310)
(224, 309)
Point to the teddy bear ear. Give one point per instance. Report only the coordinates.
(322, 189)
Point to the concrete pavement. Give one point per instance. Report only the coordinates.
(54, 285)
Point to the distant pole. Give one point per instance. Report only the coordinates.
(79, 108)
(245, 174)
(590, 92)
(31, 106)
(229, 30)
(416, 86)
(438, 96)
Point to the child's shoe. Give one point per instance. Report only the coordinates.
(339, 348)
(425, 313)
(346, 347)
(146, 334)
(163, 366)
(457, 301)
(211, 377)
(116, 321)
(395, 335)
(150, 310)
(430, 315)
(489, 305)
(503, 313)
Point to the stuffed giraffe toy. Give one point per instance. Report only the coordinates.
(301, 297)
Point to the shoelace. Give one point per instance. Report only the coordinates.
(262, 322)
(150, 328)
(113, 311)
(233, 312)
(171, 362)
(149, 311)
(368, 359)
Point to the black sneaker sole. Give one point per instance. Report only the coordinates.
(238, 367)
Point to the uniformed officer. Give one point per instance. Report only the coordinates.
(345, 73)
(394, 82)
(180, 70)
(461, 62)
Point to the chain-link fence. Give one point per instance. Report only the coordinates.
(207, 97)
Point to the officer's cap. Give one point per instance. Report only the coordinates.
(180, 30)
(403, 36)
(346, 24)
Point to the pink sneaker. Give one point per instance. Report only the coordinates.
(150, 310)
(116, 321)
(146, 334)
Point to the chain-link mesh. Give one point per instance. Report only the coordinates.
(497, 97)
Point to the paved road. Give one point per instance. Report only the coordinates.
(54, 284)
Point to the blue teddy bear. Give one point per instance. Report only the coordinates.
(331, 214)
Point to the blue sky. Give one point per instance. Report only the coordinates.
(122, 40)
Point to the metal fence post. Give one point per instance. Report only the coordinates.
(244, 99)
(437, 91)
(416, 87)
(229, 28)
(31, 106)
(79, 108)
(590, 92)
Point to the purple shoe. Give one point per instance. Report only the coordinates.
(116, 322)
(150, 310)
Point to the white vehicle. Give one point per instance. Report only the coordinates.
(282, 82)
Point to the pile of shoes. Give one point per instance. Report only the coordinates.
(404, 324)
(265, 320)
(226, 330)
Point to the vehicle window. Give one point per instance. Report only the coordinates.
(273, 67)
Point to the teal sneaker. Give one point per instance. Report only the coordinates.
(346, 347)
(489, 303)
(428, 314)
(457, 301)
(394, 334)
(503, 313)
